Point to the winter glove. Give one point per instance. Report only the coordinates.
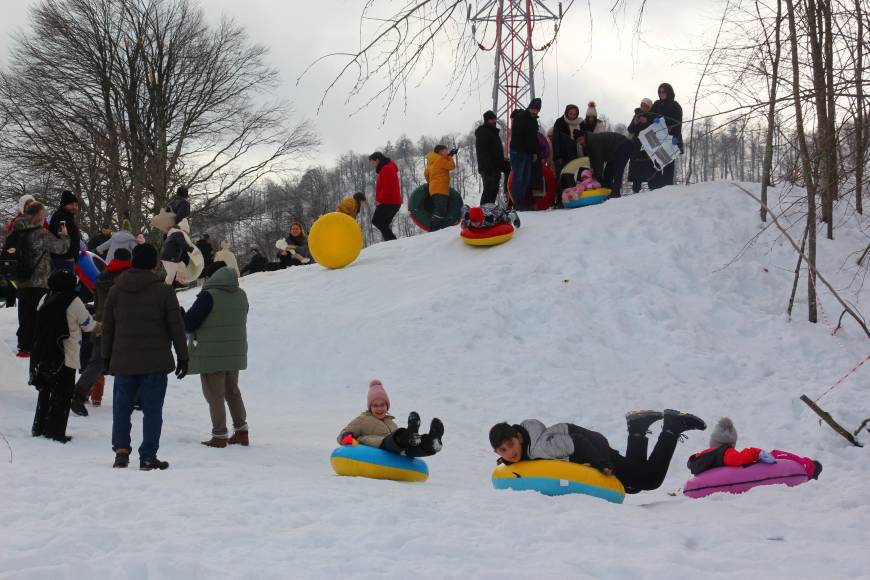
(347, 439)
(181, 369)
(766, 457)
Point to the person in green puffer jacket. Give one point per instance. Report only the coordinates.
(217, 331)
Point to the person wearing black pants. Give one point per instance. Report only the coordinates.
(608, 154)
(28, 301)
(614, 170)
(52, 406)
(383, 217)
(567, 442)
(490, 156)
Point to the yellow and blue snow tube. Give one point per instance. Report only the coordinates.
(365, 461)
(552, 477)
(589, 197)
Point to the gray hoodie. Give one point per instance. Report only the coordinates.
(120, 239)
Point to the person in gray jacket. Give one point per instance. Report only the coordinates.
(531, 440)
(123, 238)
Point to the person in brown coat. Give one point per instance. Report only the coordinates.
(141, 323)
(376, 428)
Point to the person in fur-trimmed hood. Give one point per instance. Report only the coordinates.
(531, 439)
(375, 427)
(723, 453)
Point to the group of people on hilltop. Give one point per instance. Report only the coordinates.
(572, 137)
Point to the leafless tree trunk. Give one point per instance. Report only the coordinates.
(771, 110)
(860, 146)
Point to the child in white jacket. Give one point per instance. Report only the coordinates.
(60, 321)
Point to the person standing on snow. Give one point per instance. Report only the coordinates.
(176, 255)
(142, 322)
(640, 167)
(564, 147)
(217, 326)
(388, 194)
(591, 123)
(490, 156)
(524, 149)
(225, 255)
(439, 164)
(180, 204)
(65, 216)
(672, 113)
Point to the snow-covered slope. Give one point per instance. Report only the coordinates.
(586, 314)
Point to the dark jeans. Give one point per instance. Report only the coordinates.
(491, 181)
(383, 217)
(52, 405)
(521, 168)
(150, 390)
(440, 207)
(67, 264)
(614, 170)
(663, 178)
(28, 301)
(92, 370)
(636, 471)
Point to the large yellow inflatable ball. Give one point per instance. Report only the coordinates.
(335, 240)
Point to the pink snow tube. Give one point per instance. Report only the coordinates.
(741, 479)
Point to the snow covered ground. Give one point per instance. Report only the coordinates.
(584, 315)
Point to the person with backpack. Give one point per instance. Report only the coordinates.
(217, 326)
(27, 260)
(142, 323)
(60, 321)
(65, 216)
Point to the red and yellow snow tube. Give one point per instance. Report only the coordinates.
(541, 199)
(491, 236)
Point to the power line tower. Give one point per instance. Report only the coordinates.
(513, 25)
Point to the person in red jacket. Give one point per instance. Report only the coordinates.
(722, 453)
(388, 194)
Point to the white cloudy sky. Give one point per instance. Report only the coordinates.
(611, 66)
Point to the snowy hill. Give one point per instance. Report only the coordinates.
(638, 303)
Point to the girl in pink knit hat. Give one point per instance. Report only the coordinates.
(375, 427)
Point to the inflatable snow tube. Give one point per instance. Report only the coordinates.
(589, 197)
(742, 479)
(558, 478)
(365, 461)
(335, 240)
(491, 236)
(420, 206)
(88, 268)
(541, 200)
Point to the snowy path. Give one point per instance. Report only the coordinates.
(584, 315)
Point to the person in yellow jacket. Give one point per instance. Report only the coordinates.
(351, 205)
(439, 164)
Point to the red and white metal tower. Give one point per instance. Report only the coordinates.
(513, 25)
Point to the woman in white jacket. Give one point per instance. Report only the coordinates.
(226, 256)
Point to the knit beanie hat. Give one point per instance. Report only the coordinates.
(67, 197)
(376, 391)
(646, 101)
(591, 111)
(724, 433)
(122, 255)
(145, 257)
(489, 115)
(475, 215)
(22, 201)
(535, 104)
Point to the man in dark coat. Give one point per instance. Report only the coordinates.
(180, 204)
(490, 156)
(66, 215)
(523, 151)
(671, 111)
(608, 154)
(99, 239)
(142, 322)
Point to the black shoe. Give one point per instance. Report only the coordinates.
(137, 406)
(153, 463)
(818, 470)
(677, 423)
(639, 421)
(77, 406)
(60, 438)
(36, 431)
(436, 432)
(414, 422)
(122, 460)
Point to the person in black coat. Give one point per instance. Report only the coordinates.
(66, 215)
(180, 204)
(207, 251)
(258, 263)
(524, 150)
(98, 240)
(608, 155)
(671, 111)
(564, 146)
(640, 167)
(490, 156)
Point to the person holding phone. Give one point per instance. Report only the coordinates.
(63, 223)
(439, 164)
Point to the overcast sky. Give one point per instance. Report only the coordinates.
(612, 66)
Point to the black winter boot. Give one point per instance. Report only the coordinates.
(414, 422)
(677, 422)
(122, 459)
(77, 406)
(436, 432)
(152, 463)
(818, 470)
(639, 421)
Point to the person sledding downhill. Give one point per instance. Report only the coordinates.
(723, 453)
(638, 472)
(439, 164)
(486, 216)
(377, 428)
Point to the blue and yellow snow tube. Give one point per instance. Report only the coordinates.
(589, 197)
(365, 461)
(420, 207)
(558, 478)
